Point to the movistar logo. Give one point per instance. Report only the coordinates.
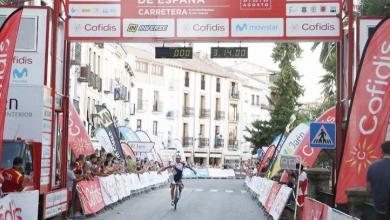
(19, 73)
(243, 27)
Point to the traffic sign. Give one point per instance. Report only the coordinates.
(323, 135)
(288, 162)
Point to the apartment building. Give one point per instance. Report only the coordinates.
(195, 105)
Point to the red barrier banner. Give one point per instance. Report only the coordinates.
(369, 115)
(314, 210)
(79, 140)
(90, 196)
(308, 155)
(272, 196)
(8, 34)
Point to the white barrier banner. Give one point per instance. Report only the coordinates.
(22, 205)
(265, 190)
(109, 189)
(120, 187)
(280, 201)
(336, 214)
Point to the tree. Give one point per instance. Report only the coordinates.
(287, 91)
(374, 8)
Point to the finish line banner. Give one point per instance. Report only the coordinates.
(197, 20)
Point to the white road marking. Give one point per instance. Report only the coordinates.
(243, 191)
(213, 190)
(229, 191)
(199, 190)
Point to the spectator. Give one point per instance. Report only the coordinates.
(78, 169)
(13, 177)
(378, 183)
(71, 181)
(303, 186)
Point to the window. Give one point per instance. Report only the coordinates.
(90, 56)
(253, 99)
(94, 62)
(218, 85)
(185, 130)
(98, 66)
(155, 125)
(201, 130)
(203, 83)
(157, 70)
(139, 99)
(156, 101)
(257, 100)
(141, 66)
(139, 124)
(187, 80)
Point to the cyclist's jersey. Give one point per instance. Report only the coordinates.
(177, 171)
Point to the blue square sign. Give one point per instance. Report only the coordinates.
(323, 135)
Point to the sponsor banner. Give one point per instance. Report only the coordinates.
(257, 27)
(264, 190)
(369, 115)
(272, 196)
(97, 27)
(90, 196)
(25, 205)
(203, 27)
(8, 34)
(292, 142)
(280, 201)
(108, 189)
(148, 28)
(24, 114)
(307, 155)
(78, 139)
(55, 202)
(312, 9)
(313, 27)
(107, 123)
(95, 10)
(314, 210)
(104, 140)
(202, 8)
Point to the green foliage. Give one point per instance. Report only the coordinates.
(374, 8)
(287, 93)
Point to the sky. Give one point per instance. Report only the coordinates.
(308, 65)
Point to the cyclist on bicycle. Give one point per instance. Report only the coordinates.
(177, 167)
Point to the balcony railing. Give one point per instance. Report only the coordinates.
(141, 105)
(157, 106)
(188, 111)
(233, 118)
(232, 145)
(219, 115)
(203, 142)
(188, 141)
(204, 113)
(219, 142)
(234, 93)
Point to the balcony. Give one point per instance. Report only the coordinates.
(84, 73)
(233, 146)
(234, 93)
(203, 142)
(141, 105)
(157, 106)
(219, 143)
(204, 113)
(233, 118)
(188, 141)
(219, 115)
(188, 111)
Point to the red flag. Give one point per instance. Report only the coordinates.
(369, 113)
(267, 158)
(79, 141)
(8, 35)
(309, 155)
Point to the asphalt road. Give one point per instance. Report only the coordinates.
(200, 200)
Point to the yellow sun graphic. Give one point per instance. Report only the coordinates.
(362, 156)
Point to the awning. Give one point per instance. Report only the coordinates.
(232, 157)
(127, 151)
(205, 155)
(139, 141)
(216, 155)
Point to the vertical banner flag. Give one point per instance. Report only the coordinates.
(107, 123)
(369, 113)
(308, 155)
(79, 141)
(8, 35)
(292, 142)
